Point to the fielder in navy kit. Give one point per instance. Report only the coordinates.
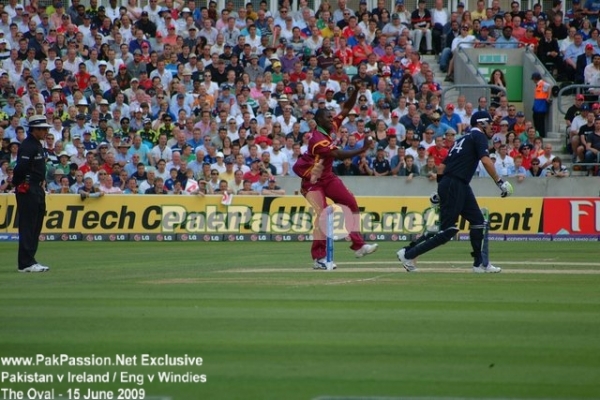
(456, 196)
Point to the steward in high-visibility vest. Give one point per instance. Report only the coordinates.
(541, 103)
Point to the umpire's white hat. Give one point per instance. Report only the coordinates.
(38, 121)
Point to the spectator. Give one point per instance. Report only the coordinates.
(107, 186)
(131, 187)
(429, 170)
(213, 183)
(545, 159)
(451, 119)
(247, 189)
(157, 188)
(421, 27)
(78, 184)
(497, 78)
(535, 170)
(589, 148)
(410, 170)
(570, 56)
(381, 166)
(557, 170)
(237, 183)
(518, 170)
(89, 190)
(347, 168)
(147, 181)
(55, 186)
(364, 165)
(504, 162)
(548, 51)
(262, 182)
(578, 140)
(272, 188)
(438, 151)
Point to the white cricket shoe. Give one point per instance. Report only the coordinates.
(409, 265)
(366, 249)
(322, 264)
(35, 268)
(490, 269)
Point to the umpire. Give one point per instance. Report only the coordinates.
(29, 174)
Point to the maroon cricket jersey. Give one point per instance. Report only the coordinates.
(320, 146)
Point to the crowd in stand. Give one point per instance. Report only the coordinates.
(173, 98)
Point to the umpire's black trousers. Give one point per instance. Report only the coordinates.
(31, 208)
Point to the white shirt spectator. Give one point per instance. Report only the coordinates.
(10, 10)
(278, 160)
(126, 34)
(221, 168)
(461, 112)
(367, 93)
(564, 44)
(144, 185)
(312, 44)
(112, 13)
(577, 123)
(165, 77)
(157, 153)
(171, 165)
(401, 112)
(310, 88)
(212, 89)
(426, 145)
(210, 35)
(286, 127)
(112, 66)
(164, 175)
(545, 160)
(72, 66)
(333, 85)
(441, 17)
(413, 152)
(92, 67)
(245, 151)
(465, 42)
(153, 14)
(334, 106)
(254, 43)
(244, 168)
(93, 175)
(503, 164)
(57, 133)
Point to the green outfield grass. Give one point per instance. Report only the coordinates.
(268, 327)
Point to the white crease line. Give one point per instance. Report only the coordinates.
(421, 269)
(356, 280)
(576, 264)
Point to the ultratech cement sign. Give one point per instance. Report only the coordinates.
(176, 215)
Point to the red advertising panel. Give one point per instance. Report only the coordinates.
(575, 216)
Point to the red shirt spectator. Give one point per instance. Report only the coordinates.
(527, 155)
(361, 50)
(438, 152)
(83, 78)
(345, 54)
(254, 174)
(297, 77)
